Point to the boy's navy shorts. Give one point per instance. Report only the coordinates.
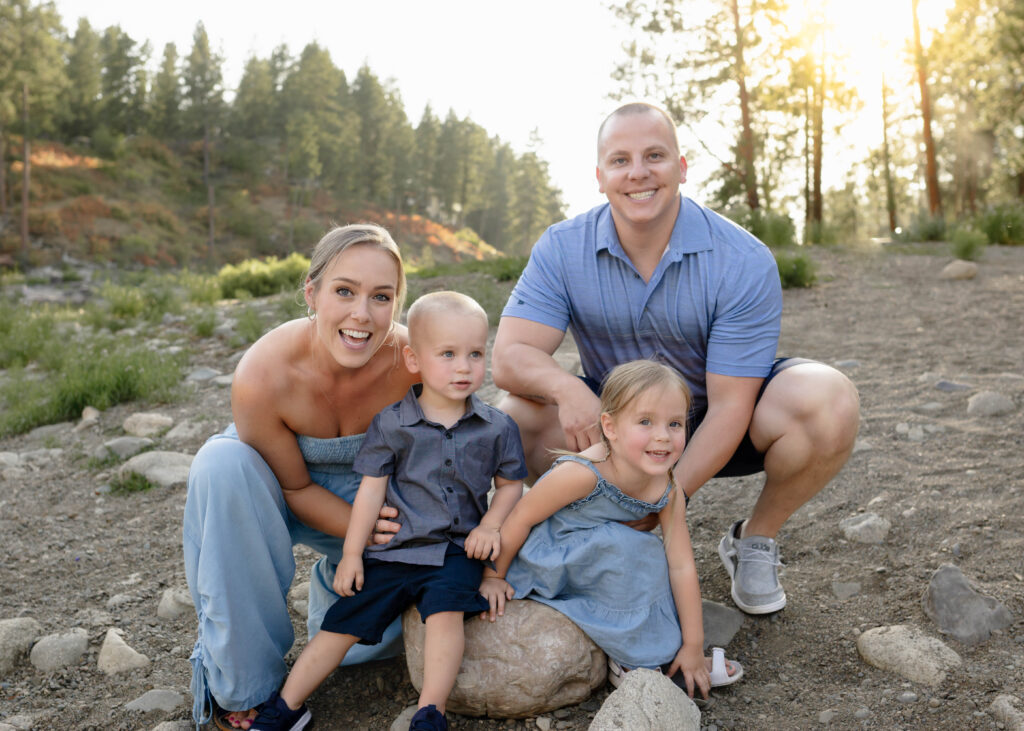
(389, 587)
(746, 460)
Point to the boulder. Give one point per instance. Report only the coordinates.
(959, 269)
(16, 638)
(531, 660)
(959, 610)
(908, 652)
(147, 424)
(865, 528)
(647, 701)
(167, 469)
(57, 651)
(117, 657)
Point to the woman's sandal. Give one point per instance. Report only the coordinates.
(220, 717)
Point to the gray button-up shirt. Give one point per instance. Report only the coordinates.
(438, 478)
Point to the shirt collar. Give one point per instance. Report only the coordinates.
(410, 412)
(690, 233)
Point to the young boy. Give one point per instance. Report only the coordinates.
(432, 456)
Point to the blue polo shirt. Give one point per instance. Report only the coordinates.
(438, 478)
(713, 304)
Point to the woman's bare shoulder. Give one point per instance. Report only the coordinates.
(271, 361)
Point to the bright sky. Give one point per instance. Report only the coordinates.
(510, 67)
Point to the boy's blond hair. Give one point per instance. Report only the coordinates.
(435, 304)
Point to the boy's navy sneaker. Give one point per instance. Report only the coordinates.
(275, 715)
(428, 718)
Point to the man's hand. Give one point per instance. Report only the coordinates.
(579, 413)
(385, 528)
(496, 591)
(483, 543)
(348, 579)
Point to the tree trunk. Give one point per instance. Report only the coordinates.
(747, 134)
(890, 196)
(3, 169)
(931, 169)
(817, 132)
(807, 162)
(26, 175)
(209, 190)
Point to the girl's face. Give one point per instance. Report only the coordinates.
(650, 432)
(354, 303)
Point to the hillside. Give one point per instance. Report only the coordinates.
(146, 206)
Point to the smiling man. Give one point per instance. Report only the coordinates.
(652, 274)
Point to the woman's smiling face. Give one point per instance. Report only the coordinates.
(354, 302)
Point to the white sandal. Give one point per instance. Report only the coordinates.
(719, 673)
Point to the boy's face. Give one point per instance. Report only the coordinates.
(448, 352)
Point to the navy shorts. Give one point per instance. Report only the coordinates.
(746, 460)
(389, 587)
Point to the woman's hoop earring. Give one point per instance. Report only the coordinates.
(310, 313)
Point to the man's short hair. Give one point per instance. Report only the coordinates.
(637, 108)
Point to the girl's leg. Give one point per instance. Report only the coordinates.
(443, 645)
(239, 565)
(319, 658)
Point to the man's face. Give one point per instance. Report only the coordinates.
(639, 168)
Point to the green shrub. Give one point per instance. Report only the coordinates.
(795, 270)
(262, 278)
(100, 373)
(203, 322)
(26, 335)
(927, 228)
(776, 230)
(249, 325)
(124, 301)
(482, 287)
(203, 289)
(129, 483)
(1003, 225)
(968, 243)
(505, 269)
(821, 233)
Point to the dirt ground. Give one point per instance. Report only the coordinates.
(953, 491)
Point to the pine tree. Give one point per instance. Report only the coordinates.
(165, 106)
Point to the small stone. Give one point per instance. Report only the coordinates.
(117, 657)
(951, 386)
(174, 603)
(848, 364)
(907, 697)
(826, 716)
(908, 652)
(224, 381)
(844, 590)
(202, 374)
(862, 445)
(543, 723)
(865, 528)
(960, 610)
(934, 703)
(123, 447)
(167, 469)
(861, 713)
(57, 651)
(147, 424)
(990, 403)
(156, 700)
(16, 638)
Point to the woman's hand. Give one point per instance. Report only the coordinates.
(496, 591)
(690, 662)
(385, 528)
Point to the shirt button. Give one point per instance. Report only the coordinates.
(456, 521)
(447, 435)
(448, 463)
(449, 489)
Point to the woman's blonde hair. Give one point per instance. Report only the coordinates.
(340, 238)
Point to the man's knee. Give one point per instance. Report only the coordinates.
(814, 399)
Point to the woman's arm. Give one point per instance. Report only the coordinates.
(682, 572)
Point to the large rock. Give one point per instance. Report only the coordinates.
(647, 701)
(959, 269)
(16, 638)
(167, 469)
(959, 610)
(1004, 708)
(174, 603)
(530, 661)
(990, 403)
(117, 657)
(908, 652)
(57, 651)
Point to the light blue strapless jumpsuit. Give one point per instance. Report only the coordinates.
(237, 538)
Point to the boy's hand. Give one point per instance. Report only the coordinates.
(483, 543)
(690, 662)
(495, 591)
(348, 579)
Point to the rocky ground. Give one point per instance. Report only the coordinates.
(948, 481)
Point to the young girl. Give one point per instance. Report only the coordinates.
(565, 544)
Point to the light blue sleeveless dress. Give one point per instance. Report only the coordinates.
(609, 579)
(237, 539)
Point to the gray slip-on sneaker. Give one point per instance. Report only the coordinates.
(753, 565)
